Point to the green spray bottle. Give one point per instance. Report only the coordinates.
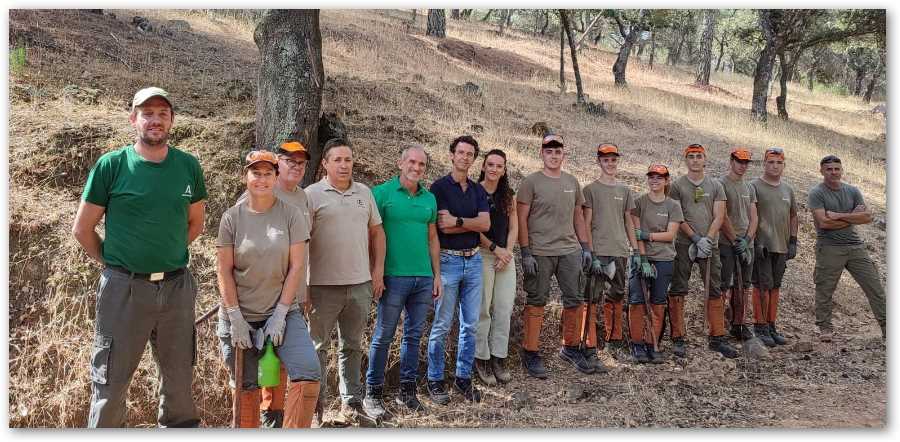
(268, 374)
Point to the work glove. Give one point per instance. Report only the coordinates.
(240, 329)
(648, 271)
(609, 269)
(692, 252)
(636, 260)
(642, 235)
(274, 327)
(792, 248)
(705, 247)
(586, 257)
(740, 245)
(529, 264)
(596, 266)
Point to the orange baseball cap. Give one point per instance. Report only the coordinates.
(289, 147)
(552, 140)
(658, 169)
(607, 149)
(260, 156)
(740, 153)
(774, 152)
(694, 148)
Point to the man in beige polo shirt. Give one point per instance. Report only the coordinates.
(342, 279)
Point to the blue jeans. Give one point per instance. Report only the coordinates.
(461, 278)
(658, 287)
(410, 293)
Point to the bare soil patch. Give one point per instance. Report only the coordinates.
(497, 61)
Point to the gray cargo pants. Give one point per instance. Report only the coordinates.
(131, 312)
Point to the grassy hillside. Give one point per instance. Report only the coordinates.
(390, 84)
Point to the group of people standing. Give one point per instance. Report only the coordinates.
(294, 264)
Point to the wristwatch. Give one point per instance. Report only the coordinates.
(459, 221)
(492, 247)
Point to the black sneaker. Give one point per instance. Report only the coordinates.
(719, 344)
(741, 332)
(776, 337)
(533, 364)
(407, 397)
(438, 393)
(271, 418)
(469, 392)
(574, 356)
(764, 334)
(679, 347)
(639, 353)
(590, 355)
(373, 404)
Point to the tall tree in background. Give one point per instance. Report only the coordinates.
(630, 33)
(562, 57)
(437, 23)
(706, 42)
(567, 26)
(795, 30)
(290, 81)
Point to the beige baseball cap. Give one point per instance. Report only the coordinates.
(147, 93)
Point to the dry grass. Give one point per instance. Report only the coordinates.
(391, 86)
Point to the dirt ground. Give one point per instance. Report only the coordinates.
(389, 85)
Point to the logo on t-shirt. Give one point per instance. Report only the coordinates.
(662, 214)
(618, 198)
(360, 203)
(187, 191)
(568, 190)
(273, 233)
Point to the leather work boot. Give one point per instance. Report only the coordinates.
(590, 356)
(826, 334)
(271, 418)
(679, 347)
(763, 333)
(741, 332)
(351, 411)
(574, 356)
(776, 337)
(498, 366)
(438, 393)
(655, 356)
(407, 397)
(469, 392)
(485, 372)
(639, 353)
(534, 366)
(373, 403)
(719, 344)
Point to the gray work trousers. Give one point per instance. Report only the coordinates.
(131, 312)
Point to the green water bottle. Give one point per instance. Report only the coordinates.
(269, 367)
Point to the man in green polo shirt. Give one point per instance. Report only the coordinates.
(412, 277)
(152, 196)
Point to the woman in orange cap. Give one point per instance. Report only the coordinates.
(261, 248)
(656, 218)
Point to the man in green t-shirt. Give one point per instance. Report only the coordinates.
(836, 208)
(607, 213)
(152, 196)
(412, 278)
(736, 240)
(703, 203)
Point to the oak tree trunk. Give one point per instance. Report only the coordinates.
(437, 23)
(562, 58)
(546, 23)
(290, 81)
(567, 25)
(454, 14)
(762, 75)
(706, 43)
(652, 49)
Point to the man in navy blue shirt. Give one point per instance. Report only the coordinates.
(463, 213)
